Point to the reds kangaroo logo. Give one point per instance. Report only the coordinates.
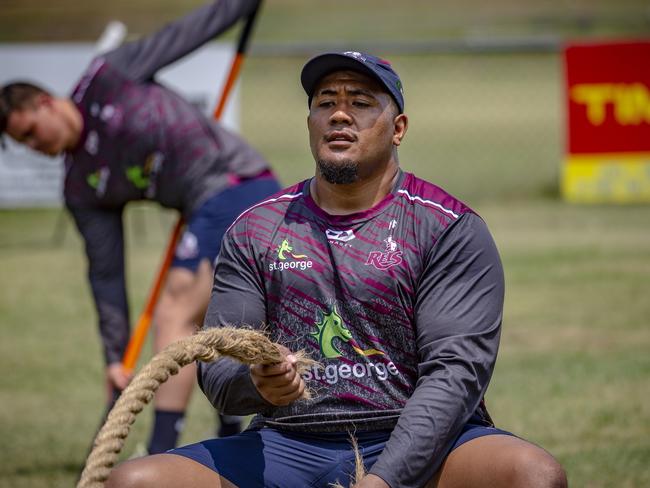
(388, 258)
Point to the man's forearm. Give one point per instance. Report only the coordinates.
(113, 328)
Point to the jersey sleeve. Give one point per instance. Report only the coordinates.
(140, 59)
(237, 299)
(458, 316)
(102, 234)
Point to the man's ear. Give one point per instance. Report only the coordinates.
(401, 124)
(43, 100)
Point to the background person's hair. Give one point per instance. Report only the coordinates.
(16, 96)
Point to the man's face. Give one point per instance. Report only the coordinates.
(38, 126)
(353, 127)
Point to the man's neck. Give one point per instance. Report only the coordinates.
(73, 120)
(355, 197)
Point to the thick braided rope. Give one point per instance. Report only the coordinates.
(243, 345)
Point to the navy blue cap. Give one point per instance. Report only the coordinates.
(379, 69)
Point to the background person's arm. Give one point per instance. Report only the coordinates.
(458, 311)
(102, 233)
(141, 59)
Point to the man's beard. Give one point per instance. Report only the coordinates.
(339, 173)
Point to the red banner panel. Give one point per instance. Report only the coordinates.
(608, 97)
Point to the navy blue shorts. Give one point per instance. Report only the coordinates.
(268, 458)
(206, 226)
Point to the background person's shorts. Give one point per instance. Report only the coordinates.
(268, 458)
(206, 227)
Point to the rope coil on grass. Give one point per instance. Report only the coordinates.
(243, 345)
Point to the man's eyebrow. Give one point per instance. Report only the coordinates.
(361, 91)
(326, 91)
(351, 91)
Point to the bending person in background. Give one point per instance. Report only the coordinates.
(393, 285)
(126, 138)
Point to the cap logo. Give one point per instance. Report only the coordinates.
(355, 55)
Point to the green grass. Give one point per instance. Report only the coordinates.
(573, 371)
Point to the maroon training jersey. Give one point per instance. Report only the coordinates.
(400, 304)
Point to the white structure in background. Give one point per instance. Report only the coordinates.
(28, 179)
(113, 35)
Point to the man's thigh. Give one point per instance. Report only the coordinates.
(499, 461)
(186, 293)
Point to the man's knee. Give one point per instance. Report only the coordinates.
(500, 461)
(132, 474)
(164, 470)
(535, 468)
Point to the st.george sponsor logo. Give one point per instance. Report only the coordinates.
(289, 260)
(280, 266)
(332, 332)
(333, 372)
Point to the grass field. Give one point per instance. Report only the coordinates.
(573, 372)
(574, 367)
